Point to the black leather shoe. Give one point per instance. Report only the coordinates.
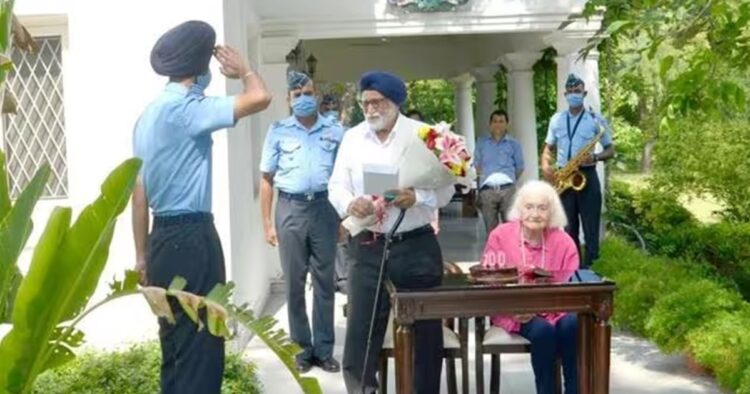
(329, 365)
(303, 366)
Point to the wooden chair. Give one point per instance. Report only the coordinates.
(495, 341)
(455, 346)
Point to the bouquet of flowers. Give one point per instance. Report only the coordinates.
(450, 150)
(431, 158)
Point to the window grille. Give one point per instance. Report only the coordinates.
(36, 133)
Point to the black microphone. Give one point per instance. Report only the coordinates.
(389, 196)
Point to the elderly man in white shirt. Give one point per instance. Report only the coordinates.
(415, 259)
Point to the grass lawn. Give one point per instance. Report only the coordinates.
(702, 207)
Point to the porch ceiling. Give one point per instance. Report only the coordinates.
(416, 57)
(328, 19)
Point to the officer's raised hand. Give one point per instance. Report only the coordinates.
(233, 65)
(361, 207)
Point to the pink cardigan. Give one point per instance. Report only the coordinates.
(504, 249)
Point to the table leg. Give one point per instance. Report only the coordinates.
(404, 358)
(602, 338)
(585, 326)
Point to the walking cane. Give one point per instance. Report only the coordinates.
(386, 250)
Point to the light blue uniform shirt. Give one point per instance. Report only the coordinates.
(173, 138)
(588, 128)
(498, 157)
(301, 160)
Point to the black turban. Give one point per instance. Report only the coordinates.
(387, 84)
(185, 50)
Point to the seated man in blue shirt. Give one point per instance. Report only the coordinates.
(173, 138)
(297, 159)
(499, 162)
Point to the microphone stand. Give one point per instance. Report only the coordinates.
(383, 260)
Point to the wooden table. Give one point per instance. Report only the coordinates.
(456, 297)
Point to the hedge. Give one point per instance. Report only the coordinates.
(681, 307)
(133, 371)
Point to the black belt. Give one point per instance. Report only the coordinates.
(304, 196)
(185, 218)
(402, 236)
(496, 188)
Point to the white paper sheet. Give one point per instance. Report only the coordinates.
(379, 178)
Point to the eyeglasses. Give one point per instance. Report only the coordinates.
(376, 103)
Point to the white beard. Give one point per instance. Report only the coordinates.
(376, 123)
(380, 121)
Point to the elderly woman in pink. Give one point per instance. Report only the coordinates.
(535, 238)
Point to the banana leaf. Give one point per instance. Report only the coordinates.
(219, 310)
(15, 229)
(64, 272)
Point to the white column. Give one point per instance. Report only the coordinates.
(273, 69)
(486, 95)
(569, 61)
(523, 109)
(509, 94)
(464, 109)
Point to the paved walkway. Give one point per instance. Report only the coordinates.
(637, 365)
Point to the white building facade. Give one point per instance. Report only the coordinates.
(86, 91)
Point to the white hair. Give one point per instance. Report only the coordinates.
(557, 218)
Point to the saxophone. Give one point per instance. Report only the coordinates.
(570, 176)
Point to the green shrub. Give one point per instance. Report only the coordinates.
(745, 383)
(620, 207)
(690, 306)
(726, 246)
(670, 230)
(666, 226)
(641, 281)
(630, 141)
(134, 371)
(723, 345)
(681, 305)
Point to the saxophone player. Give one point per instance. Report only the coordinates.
(569, 133)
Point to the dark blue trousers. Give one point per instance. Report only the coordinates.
(414, 263)
(547, 343)
(584, 209)
(307, 244)
(187, 246)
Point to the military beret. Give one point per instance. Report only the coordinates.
(573, 81)
(296, 79)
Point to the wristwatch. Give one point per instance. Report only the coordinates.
(595, 157)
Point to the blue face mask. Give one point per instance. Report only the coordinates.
(304, 106)
(575, 100)
(332, 114)
(201, 82)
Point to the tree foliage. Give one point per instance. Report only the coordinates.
(710, 157)
(676, 71)
(432, 98)
(698, 46)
